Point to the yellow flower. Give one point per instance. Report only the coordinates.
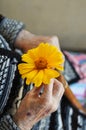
(41, 64)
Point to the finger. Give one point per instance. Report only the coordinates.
(55, 41)
(48, 88)
(58, 89)
(37, 90)
(62, 80)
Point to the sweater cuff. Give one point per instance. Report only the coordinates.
(6, 123)
(9, 29)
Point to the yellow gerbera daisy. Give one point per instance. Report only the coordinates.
(41, 64)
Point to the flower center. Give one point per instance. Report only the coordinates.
(41, 63)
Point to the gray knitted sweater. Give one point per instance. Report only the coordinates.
(9, 30)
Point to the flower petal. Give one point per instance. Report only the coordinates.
(59, 67)
(33, 53)
(28, 81)
(30, 75)
(38, 78)
(26, 58)
(25, 68)
(43, 50)
(48, 74)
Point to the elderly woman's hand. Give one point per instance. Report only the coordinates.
(36, 106)
(26, 40)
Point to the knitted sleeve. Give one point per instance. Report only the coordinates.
(9, 29)
(6, 123)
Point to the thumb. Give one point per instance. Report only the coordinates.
(58, 89)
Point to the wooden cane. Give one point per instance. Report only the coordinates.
(70, 96)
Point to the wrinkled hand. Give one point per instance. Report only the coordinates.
(26, 40)
(34, 106)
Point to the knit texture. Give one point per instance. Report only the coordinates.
(10, 29)
(7, 73)
(7, 123)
